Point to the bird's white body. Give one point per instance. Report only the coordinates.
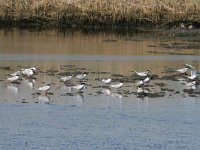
(182, 70)
(118, 85)
(13, 79)
(142, 82)
(27, 72)
(65, 78)
(182, 26)
(146, 80)
(190, 27)
(142, 74)
(81, 76)
(44, 88)
(78, 87)
(15, 73)
(106, 81)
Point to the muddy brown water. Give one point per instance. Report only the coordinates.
(101, 55)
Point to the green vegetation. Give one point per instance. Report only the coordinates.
(126, 13)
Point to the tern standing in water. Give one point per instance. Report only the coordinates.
(106, 81)
(44, 88)
(81, 76)
(117, 86)
(79, 87)
(142, 74)
(66, 78)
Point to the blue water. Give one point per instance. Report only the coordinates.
(135, 124)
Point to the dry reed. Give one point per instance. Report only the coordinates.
(100, 12)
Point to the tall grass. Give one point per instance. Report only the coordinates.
(100, 12)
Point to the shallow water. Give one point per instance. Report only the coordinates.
(99, 117)
(146, 124)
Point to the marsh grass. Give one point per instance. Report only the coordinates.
(99, 12)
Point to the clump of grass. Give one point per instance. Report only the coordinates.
(100, 12)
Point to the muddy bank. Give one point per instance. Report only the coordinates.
(123, 24)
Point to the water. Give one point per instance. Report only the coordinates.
(93, 119)
(148, 124)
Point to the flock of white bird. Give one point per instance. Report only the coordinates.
(29, 72)
(191, 76)
(144, 79)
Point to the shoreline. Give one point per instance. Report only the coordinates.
(95, 25)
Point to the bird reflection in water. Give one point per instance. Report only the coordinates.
(79, 98)
(44, 99)
(106, 91)
(116, 95)
(66, 88)
(30, 83)
(13, 88)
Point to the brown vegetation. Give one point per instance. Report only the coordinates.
(99, 12)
